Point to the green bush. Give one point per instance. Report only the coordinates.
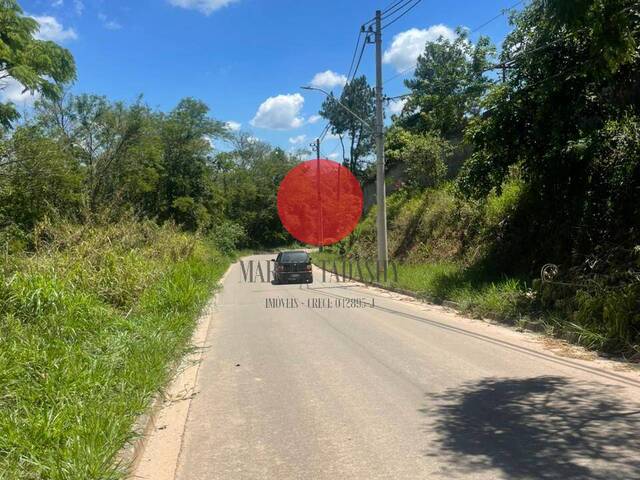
(228, 236)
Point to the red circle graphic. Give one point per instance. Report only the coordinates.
(320, 202)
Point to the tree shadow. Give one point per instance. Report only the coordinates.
(536, 428)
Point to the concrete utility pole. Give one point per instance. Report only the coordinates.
(378, 129)
(317, 146)
(381, 194)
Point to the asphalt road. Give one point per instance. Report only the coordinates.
(314, 389)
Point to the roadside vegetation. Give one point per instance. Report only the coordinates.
(116, 223)
(516, 161)
(91, 323)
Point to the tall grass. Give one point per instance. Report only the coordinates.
(476, 292)
(89, 326)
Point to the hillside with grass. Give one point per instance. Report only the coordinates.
(445, 248)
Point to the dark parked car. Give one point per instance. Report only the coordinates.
(293, 267)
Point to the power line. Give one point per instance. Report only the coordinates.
(399, 74)
(400, 7)
(324, 131)
(397, 9)
(387, 10)
(355, 71)
(509, 63)
(540, 82)
(506, 64)
(417, 2)
(333, 151)
(493, 19)
(514, 92)
(522, 53)
(355, 53)
(350, 76)
(398, 97)
(392, 6)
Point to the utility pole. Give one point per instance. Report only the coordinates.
(383, 259)
(317, 146)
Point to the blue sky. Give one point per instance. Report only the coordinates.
(245, 58)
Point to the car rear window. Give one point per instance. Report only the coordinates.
(294, 257)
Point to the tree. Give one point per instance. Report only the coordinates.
(157, 165)
(41, 180)
(185, 186)
(423, 155)
(448, 85)
(253, 173)
(566, 118)
(358, 97)
(39, 66)
(117, 146)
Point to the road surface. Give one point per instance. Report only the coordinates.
(311, 388)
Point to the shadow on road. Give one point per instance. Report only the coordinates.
(536, 428)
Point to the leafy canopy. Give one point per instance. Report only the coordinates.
(448, 85)
(40, 66)
(567, 119)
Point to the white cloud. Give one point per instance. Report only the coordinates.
(396, 106)
(297, 140)
(79, 6)
(13, 91)
(334, 156)
(328, 80)
(281, 112)
(314, 119)
(108, 23)
(407, 46)
(233, 126)
(51, 29)
(57, 3)
(205, 6)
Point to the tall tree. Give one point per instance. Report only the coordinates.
(567, 117)
(358, 97)
(39, 66)
(252, 175)
(106, 139)
(448, 85)
(185, 190)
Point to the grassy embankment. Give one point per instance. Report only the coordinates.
(436, 282)
(90, 325)
(448, 248)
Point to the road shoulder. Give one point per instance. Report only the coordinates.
(156, 454)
